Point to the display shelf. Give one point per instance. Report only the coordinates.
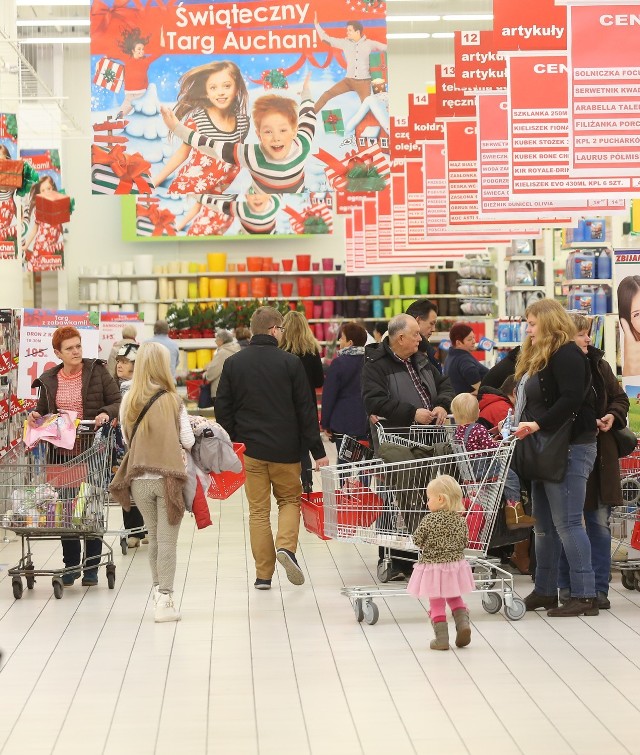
(524, 258)
(525, 288)
(293, 297)
(587, 282)
(587, 245)
(209, 274)
(506, 344)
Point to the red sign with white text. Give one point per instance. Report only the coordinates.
(479, 66)
(604, 90)
(451, 101)
(539, 25)
(422, 119)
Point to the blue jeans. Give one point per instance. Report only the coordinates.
(512, 490)
(558, 508)
(599, 534)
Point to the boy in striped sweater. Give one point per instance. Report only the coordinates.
(285, 135)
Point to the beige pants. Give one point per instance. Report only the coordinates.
(287, 488)
(362, 87)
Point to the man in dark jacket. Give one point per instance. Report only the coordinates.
(426, 314)
(401, 387)
(263, 401)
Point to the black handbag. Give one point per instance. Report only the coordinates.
(204, 400)
(626, 440)
(543, 455)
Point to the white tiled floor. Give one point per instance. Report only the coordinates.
(291, 671)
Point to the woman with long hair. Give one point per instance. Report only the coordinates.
(554, 390)
(299, 340)
(156, 428)
(629, 314)
(43, 239)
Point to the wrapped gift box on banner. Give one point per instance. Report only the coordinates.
(364, 170)
(274, 79)
(117, 172)
(152, 221)
(11, 174)
(109, 74)
(53, 208)
(333, 121)
(378, 65)
(315, 219)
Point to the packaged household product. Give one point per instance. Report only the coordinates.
(603, 264)
(584, 264)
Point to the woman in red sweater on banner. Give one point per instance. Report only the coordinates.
(136, 68)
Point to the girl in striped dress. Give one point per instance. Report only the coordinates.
(257, 214)
(212, 101)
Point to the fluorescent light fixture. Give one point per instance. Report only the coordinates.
(410, 35)
(469, 17)
(50, 3)
(54, 40)
(443, 35)
(34, 22)
(391, 19)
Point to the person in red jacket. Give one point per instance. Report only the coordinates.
(136, 79)
(495, 403)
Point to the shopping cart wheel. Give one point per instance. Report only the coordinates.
(516, 610)
(357, 609)
(628, 581)
(491, 602)
(58, 589)
(29, 576)
(111, 576)
(384, 572)
(16, 584)
(371, 612)
(123, 545)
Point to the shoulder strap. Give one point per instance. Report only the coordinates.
(467, 431)
(146, 408)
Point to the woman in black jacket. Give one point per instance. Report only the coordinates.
(299, 340)
(555, 388)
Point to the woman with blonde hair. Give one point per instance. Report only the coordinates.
(298, 339)
(555, 398)
(156, 428)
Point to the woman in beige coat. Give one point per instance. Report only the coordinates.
(225, 348)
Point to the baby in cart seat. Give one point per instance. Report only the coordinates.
(474, 436)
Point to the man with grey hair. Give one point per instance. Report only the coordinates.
(263, 401)
(161, 335)
(225, 347)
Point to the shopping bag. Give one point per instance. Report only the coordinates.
(57, 429)
(475, 522)
(204, 399)
(81, 509)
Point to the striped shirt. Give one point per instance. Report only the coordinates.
(258, 223)
(69, 395)
(202, 122)
(415, 379)
(284, 176)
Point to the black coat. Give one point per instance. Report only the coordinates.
(314, 371)
(263, 401)
(342, 405)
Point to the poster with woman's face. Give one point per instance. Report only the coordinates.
(226, 98)
(626, 272)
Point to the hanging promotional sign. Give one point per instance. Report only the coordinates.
(200, 98)
(450, 100)
(42, 241)
(604, 90)
(529, 26)
(110, 329)
(36, 352)
(539, 137)
(10, 183)
(422, 119)
(626, 273)
(478, 65)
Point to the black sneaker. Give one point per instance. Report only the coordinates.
(262, 584)
(288, 560)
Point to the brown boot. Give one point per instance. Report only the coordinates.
(516, 518)
(576, 607)
(520, 559)
(463, 628)
(441, 642)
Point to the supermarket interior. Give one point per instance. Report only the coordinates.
(490, 164)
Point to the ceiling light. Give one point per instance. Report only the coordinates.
(469, 17)
(443, 35)
(412, 18)
(53, 22)
(410, 35)
(54, 40)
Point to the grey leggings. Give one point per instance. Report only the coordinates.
(148, 495)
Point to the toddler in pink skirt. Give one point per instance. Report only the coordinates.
(442, 574)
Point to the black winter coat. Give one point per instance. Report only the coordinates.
(342, 405)
(263, 401)
(100, 392)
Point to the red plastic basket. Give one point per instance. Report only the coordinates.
(223, 484)
(193, 389)
(311, 505)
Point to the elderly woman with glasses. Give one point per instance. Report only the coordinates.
(86, 387)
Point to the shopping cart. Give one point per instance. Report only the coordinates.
(47, 493)
(625, 523)
(381, 503)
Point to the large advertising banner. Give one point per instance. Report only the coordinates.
(539, 137)
(36, 352)
(604, 90)
(479, 66)
(529, 26)
(199, 98)
(42, 242)
(9, 211)
(626, 272)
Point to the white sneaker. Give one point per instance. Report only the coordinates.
(165, 610)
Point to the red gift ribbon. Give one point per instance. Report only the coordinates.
(128, 168)
(163, 221)
(339, 167)
(105, 16)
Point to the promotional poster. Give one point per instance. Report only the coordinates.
(231, 97)
(626, 271)
(10, 177)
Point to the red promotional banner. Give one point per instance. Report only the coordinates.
(604, 90)
(451, 101)
(539, 136)
(422, 119)
(478, 64)
(539, 25)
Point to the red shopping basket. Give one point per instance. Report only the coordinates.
(313, 514)
(223, 484)
(193, 389)
(356, 506)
